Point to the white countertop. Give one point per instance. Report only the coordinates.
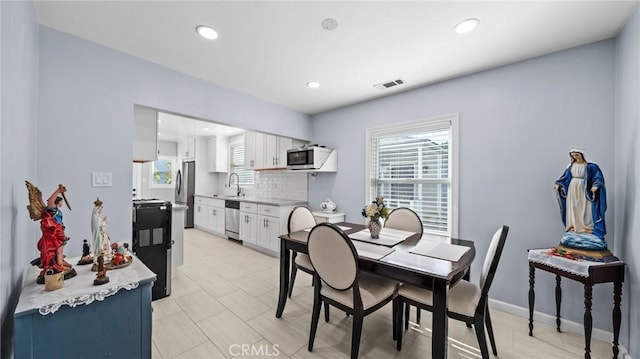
(259, 200)
(178, 206)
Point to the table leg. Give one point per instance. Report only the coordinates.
(588, 321)
(558, 302)
(617, 298)
(285, 259)
(532, 296)
(439, 324)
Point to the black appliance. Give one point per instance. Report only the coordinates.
(152, 241)
(185, 188)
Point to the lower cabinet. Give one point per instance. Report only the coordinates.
(209, 214)
(261, 225)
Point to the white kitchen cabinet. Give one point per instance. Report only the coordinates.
(248, 223)
(145, 138)
(209, 215)
(253, 150)
(263, 151)
(187, 149)
(275, 151)
(268, 232)
(217, 154)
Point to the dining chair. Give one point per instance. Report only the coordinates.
(339, 282)
(405, 219)
(300, 218)
(467, 301)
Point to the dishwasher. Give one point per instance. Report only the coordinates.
(232, 219)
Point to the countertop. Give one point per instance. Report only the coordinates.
(178, 206)
(259, 200)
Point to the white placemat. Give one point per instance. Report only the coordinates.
(385, 239)
(344, 228)
(371, 250)
(446, 251)
(577, 267)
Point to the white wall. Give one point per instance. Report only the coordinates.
(18, 146)
(517, 124)
(627, 167)
(87, 94)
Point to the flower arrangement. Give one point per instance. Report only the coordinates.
(376, 210)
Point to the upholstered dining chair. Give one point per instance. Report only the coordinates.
(405, 219)
(339, 282)
(300, 218)
(467, 301)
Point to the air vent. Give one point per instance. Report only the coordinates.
(389, 84)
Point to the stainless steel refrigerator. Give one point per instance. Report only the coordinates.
(185, 187)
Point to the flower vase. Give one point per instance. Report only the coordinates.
(374, 229)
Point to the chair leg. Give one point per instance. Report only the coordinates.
(315, 317)
(469, 325)
(406, 316)
(294, 271)
(356, 332)
(326, 312)
(487, 320)
(394, 319)
(417, 315)
(482, 340)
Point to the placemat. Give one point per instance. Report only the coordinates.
(371, 250)
(385, 239)
(446, 251)
(344, 228)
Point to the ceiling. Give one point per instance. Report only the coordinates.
(271, 49)
(175, 128)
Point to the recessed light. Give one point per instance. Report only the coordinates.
(313, 84)
(206, 129)
(207, 32)
(467, 26)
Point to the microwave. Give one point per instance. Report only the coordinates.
(307, 158)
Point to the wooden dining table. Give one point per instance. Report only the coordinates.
(438, 275)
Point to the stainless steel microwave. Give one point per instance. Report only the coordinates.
(307, 158)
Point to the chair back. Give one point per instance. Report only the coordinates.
(492, 258)
(405, 219)
(300, 218)
(333, 256)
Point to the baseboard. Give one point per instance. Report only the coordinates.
(567, 325)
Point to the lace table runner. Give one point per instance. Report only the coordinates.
(577, 267)
(79, 289)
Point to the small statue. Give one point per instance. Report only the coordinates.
(127, 253)
(51, 244)
(118, 254)
(101, 245)
(101, 276)
(86, 254)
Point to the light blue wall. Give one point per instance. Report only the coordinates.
(627, 167)
(86, 108)
(517, 124)
(18, 146)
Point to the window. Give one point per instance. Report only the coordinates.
(236, 164)
(414, 165)
(162, 172)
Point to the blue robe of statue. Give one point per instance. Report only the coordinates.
(594, 178)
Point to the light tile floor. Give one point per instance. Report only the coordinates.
(223, 301)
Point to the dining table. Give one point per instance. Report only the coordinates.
(398, 262)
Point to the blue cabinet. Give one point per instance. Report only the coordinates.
(108, 321)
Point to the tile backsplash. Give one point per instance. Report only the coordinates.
(276, 184)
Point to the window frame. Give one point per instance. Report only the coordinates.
(152, 183)
(230, 165)
(429, 124)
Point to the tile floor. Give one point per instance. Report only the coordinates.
(223, 304)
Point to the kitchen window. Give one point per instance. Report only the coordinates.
(236, 164)
(162, 172)
(414, 165)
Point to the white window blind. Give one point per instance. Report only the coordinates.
(411, 166)
(236, 161)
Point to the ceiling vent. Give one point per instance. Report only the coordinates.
(389, 84)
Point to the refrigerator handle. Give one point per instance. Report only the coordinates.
(178, 182)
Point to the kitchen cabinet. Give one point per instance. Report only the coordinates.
(187, 149)
(209, 215)
(248, 223)
(217, 159)
(263, 151)
(269, 228)
(145, 139)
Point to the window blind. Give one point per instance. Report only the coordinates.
(236, 160)
(411, 167)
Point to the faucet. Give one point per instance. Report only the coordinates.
(237, 182)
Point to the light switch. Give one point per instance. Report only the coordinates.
(101, 179)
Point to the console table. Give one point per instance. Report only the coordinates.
(81, 320)
(587, 273)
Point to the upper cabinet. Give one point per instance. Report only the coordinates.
(263, 151)
(217, 159)
(145, 121)
(187, 149)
